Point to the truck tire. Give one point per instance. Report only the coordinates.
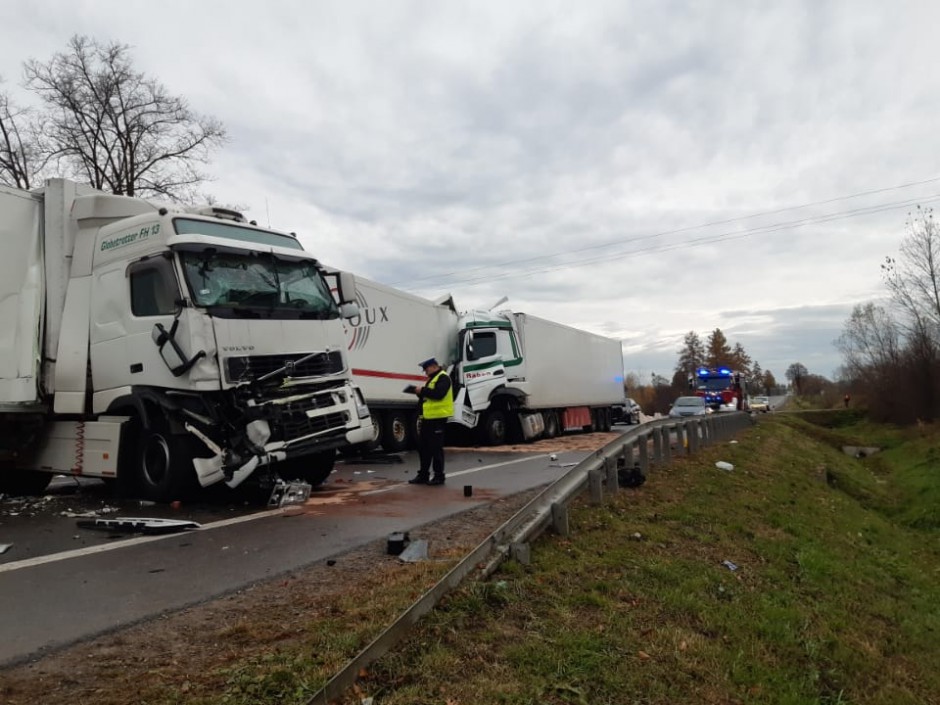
(606, 423)
(551, 424)
(162, 469)
(395, 431)
(313, 469)
(494, 428)
(22, 482)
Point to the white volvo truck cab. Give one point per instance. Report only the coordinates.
(167, 347)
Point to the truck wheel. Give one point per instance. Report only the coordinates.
(395, 429)
(551, 424)
(605, 417)
(494, 428)
(22, 482)
(163, 469)
(313, 469)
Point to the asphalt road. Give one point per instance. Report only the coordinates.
(61, 583)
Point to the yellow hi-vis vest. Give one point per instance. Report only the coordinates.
(438, 408)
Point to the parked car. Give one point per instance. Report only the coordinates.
(760, 404)
(688, 406)
(628, 412)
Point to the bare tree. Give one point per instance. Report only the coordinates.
(116, 128)
(19, 159)
(870, 341)
(796, 373)
(914, 277)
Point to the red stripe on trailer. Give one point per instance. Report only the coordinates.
(389, 375)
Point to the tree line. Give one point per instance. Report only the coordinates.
(99, 121)
(891, 348)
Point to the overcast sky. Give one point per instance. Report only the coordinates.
(638, 169)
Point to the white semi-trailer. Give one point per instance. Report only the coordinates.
(163, 347)
(516, 376)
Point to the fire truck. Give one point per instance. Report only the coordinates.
(722, 388)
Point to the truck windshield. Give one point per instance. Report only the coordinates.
(714, 384)
(257, 284)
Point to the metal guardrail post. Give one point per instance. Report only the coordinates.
(657, 445)
(667, 444)
(627, 455)
(596, 486)
(644, 452)
(610, 472)
(691, 428)
(560, 518)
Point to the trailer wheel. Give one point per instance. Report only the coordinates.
(163, 469)
(313, 469)
(494, 428)
(395, 429)
(606, 423)
(22, 482)
(551, 424)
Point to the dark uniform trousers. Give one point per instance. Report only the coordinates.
(431, 447)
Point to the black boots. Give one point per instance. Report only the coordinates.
(425, 480)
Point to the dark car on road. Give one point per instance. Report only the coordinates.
(627, 412)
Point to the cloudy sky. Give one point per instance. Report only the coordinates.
(638, 169)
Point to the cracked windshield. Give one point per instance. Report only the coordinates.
(258, 283)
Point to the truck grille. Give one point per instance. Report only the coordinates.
(238, 369)
(292, 420)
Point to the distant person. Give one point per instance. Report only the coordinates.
(437, 405)
(845, 400)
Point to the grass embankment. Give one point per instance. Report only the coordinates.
(835, 598)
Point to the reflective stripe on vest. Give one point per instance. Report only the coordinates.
(438, 408)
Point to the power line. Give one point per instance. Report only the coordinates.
(639, 238)
(696, 242)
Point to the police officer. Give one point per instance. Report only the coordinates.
(437, 405)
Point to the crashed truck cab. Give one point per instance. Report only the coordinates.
(216, 345)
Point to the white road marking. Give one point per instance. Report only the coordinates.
(468, 471)
(105, 547)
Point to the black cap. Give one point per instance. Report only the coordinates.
(427, 363)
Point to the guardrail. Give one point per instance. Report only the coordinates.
(645, 444)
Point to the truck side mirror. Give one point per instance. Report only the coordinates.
(346, 287)
(470, 354)
(348, 310)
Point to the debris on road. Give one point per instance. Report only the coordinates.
(396, 543)
(4, 547)
(729, 565)
(139, 525)
(285, 493)
(417, 551)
